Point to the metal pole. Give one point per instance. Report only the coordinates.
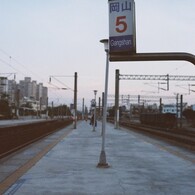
(99, 107)
(40, 106)
(52, 112)
(102, 111)
(160, 107)
(94, 118)
(102, 159)
(167, 82)
(102, 105)
(83, 109)
(181, 110)
(177, 107)
(17, 102)
(75, 100)
(47, 108)
(138, 100)
(117, 99)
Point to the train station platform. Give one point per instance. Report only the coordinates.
(137, 165)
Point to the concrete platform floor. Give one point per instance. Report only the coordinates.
(138, 165)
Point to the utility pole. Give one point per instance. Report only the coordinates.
(40, 106)
(181, 110)
(160, 107)
(177, 109)
(116, 99)
(99, 107)
(47, 108)
(167, 82)
(75, 100)
(17, 102)
(52, 112)
(83, 109)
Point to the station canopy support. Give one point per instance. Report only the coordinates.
(170, 56)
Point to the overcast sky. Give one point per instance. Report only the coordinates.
(40, 38)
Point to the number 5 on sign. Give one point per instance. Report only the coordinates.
(121, 24)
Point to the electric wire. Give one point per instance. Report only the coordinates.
(62, 83)
(4, 62)
(32, 73)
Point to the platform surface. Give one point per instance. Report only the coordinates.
(138, 165)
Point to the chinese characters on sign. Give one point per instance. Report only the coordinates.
(116, 7)
(121, 26)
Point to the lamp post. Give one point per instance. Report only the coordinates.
(102, 160)
(75, 100)
(94, 115)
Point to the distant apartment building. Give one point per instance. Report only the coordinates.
(32, 90)
(3, 86)
(39, 93)
(25, 89)
(45, 96)
(12, 90)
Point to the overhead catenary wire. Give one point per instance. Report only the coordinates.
(32, 73)
(54, 77)
(20, 64)
(7, 63)
(10, 64)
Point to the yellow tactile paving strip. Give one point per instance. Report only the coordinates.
(23, 169)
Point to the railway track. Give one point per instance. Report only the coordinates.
(181, 137)
(13, 138)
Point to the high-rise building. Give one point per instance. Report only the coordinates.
(39, 91)
(25, 91)
(45, 96)
(24, 86)
(12, 88)
(3, 86)
(31, 90)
